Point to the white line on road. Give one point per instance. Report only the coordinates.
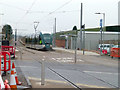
(80, 60)
(100, 72)
(66, 59)
(53, 58)
(58, 58)
(27, 67)
(43, 56)
(69, 58)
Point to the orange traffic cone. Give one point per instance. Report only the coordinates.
(12, 80)
(16, 78)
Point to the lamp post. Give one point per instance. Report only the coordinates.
(102, 35)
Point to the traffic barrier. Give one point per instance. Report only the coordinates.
(115, 52)
(1, 81)
(0, 63)
(12, 80)
(7, 87)
(6, 62)
(10, 49)
(16, 78)
(104, 51)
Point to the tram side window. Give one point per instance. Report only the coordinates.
(35, 40)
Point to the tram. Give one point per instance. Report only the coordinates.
(39, 41)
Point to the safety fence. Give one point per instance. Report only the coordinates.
(7, 66)
(115, 52)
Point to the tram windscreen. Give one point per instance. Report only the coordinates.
(47, 38)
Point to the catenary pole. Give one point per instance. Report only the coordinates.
(55, 33)
(81, 25)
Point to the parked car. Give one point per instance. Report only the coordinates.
(105, 48)
(115, 51)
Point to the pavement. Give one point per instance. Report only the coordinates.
(73, 51)
(33, 81)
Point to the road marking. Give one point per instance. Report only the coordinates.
(43, 59)
(66, 59)
(39, 79)
(56, 81)
(27, 67)
(53, 58)
(90, 86)
(43, 56)
(100, 72)
(80, 60)
(58, 58)
(69, 58)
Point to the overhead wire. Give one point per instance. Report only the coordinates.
(12, 6)
(57, 9)
(60, 7)
(27, 11)
(54, 12)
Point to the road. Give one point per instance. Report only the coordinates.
(90, 71)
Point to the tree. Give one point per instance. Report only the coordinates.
(7, 31)
(75, 28)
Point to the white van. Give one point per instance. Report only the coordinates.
(105, 47)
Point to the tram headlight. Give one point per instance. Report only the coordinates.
(43, 45)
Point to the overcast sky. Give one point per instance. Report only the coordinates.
(21, 14)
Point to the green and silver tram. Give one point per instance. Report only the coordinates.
(40, 41)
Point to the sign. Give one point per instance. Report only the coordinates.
(100, 25)
(101, 22)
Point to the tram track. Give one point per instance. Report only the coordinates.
(52, 70)
(36, 58)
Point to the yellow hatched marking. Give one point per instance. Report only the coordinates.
(56, 81)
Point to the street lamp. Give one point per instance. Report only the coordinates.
(103, 29)
(103, 20)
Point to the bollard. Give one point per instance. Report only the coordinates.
(42, 73)
(21, 53)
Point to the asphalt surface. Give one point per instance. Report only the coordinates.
(90, 71)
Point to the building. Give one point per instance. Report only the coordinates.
(92, 40)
